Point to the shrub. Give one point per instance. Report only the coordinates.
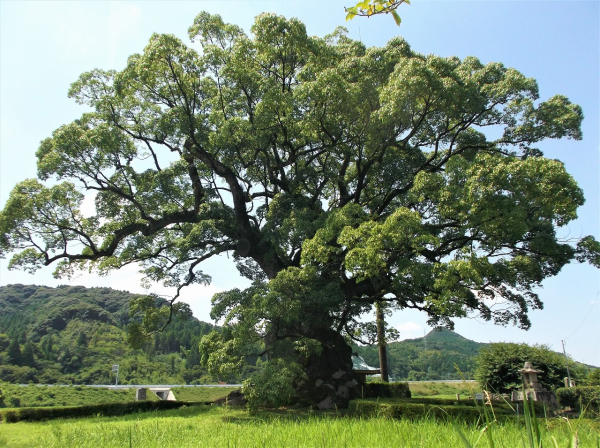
(579, 398)
(272, 385)
(108, 409)
(416, 410)
(498, 366)
(438, 408)
(593, 378)
(389, 390)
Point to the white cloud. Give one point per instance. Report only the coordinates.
(410, 330)
(129, 279)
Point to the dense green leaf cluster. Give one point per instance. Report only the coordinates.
(580, 398)
(498, 366)
(273, 385)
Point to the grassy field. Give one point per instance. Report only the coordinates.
(195, 426)
(201, 394)
(221, 427)
(443, 390)
(41, 396)
(36, 396)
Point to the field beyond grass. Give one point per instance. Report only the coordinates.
(16, 396)
(201, 393)
(436, 389)
(213, 426)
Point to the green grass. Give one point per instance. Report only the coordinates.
(221, 427)
(201, 394)
(442, 390)
(42, 396)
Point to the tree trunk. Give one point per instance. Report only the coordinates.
(381, 342)
(331, 382)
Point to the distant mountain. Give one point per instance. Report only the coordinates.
(75, 334)
(432, 357)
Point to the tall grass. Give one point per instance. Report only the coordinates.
(221, 427)
(532, 432)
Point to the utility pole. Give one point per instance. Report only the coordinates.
(381, 342)
(115, 368)
(566, 362)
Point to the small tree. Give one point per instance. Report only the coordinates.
(27, 357)
(4, 342)
(13, 352)
(498, 366)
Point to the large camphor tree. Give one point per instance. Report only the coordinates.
(337, 177)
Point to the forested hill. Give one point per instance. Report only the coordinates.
(75, 334)
(35, 311)
(432, 357)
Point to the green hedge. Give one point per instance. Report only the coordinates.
(389, 390)
(580, 397)
(440, 409)
(107, 409)
(411, 411)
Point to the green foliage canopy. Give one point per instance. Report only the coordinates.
(593, 378)
(337, 175)
(498, 366)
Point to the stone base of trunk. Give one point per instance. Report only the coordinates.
(331, 382)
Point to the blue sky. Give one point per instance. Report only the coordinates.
(45, 45)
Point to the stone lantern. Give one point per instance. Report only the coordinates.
(530, 376)
(531, 388)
